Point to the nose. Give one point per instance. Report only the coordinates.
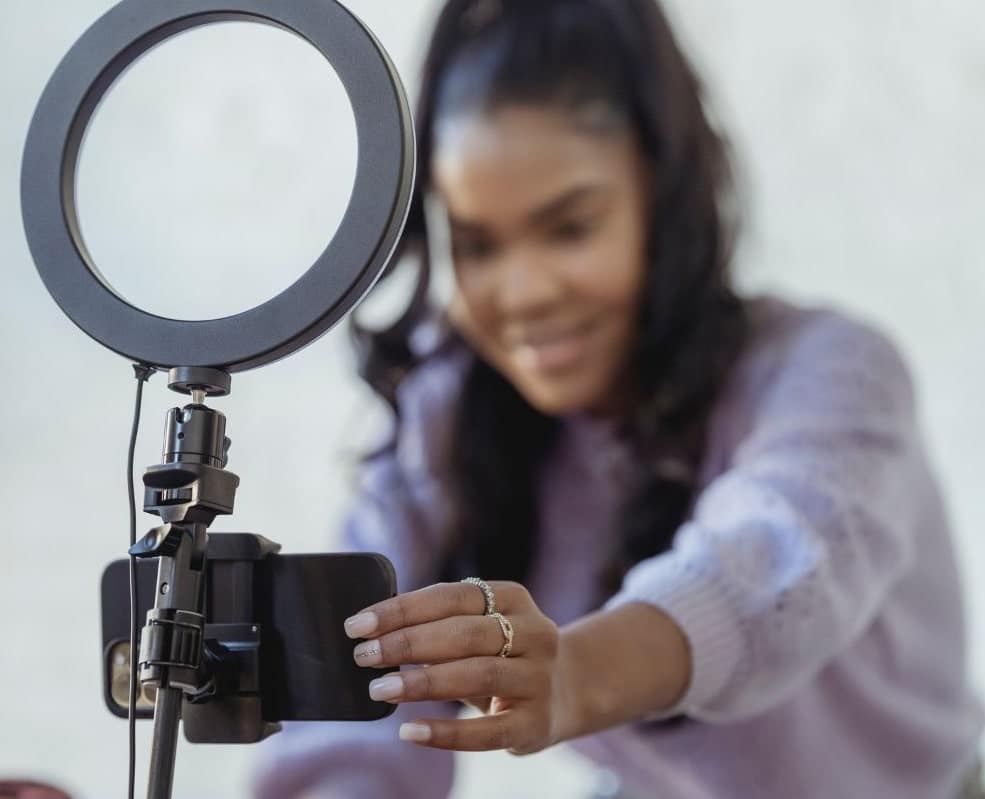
(527, 285)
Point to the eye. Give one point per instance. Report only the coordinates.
(573, 230)
(471, 248)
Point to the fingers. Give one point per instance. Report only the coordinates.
(463, 679)
(434, 602)
(508, 730)
(444, 640)
(481, 704)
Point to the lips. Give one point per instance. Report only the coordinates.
(554, 349)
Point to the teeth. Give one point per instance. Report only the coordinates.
(551, 352)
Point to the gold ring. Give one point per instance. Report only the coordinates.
(507, 627)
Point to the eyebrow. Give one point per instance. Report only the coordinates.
(544, 213)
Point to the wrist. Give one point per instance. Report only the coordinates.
(619, 665)
(570, 711)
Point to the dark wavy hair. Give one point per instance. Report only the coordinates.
(570, 55)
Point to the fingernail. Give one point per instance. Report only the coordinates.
(368, 653)
(386, 688)
(415, 732)
(361, 625)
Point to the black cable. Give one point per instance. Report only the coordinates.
(142, 374)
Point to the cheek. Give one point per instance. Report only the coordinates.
(611, 276)
(472, 312)
(628, 278)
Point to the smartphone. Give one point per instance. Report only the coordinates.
(299, 604)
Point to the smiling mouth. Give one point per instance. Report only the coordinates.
(554, 351)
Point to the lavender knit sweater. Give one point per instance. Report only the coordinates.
(815, 582)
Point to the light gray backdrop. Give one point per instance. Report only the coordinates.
(860, 127)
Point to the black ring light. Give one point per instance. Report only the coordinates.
(338, 279)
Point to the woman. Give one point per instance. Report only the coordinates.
(719, 562)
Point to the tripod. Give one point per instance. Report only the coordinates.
(181, 656)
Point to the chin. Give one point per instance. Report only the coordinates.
(561, 400)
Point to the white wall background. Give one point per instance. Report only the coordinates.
(861, 128)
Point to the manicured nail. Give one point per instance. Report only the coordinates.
(368, 653)
(415, 732)
(361, 625)
(386, 688)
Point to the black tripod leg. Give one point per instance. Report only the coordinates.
(167, 713)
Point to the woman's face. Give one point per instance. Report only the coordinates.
(548, 232)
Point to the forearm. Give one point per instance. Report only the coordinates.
(620, 665)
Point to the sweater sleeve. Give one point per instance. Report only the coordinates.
(791, 550)
(397, 513)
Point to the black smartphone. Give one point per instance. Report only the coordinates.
(299, 604)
